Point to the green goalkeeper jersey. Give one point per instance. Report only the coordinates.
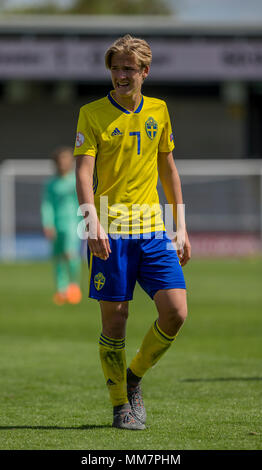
(59, 203)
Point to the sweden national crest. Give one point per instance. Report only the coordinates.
(151, 128)
(99, 281)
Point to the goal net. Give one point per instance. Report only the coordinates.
(223, 207)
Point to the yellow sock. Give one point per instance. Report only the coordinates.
(154, 345)
(113, 360)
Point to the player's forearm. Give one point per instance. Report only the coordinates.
(47, 214)
(171, 184)
(97, 239)
(84, 189)
(85, 194)
(84, 180)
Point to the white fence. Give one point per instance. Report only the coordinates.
(223, 202)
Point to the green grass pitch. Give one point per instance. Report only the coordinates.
(205, 393)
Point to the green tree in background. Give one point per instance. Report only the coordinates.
(95, 7)
(121, 7)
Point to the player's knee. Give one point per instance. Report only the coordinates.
(178, 315)
(121, 314)
(114, 324)
(182, 313)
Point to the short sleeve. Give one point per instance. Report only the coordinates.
(166, 143)
(85, 143)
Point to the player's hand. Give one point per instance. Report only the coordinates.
(183, 248)
(50, 233)
(99, 243)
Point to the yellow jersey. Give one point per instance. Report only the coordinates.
(125, 146)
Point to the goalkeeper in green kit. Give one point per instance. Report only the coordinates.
(59, 219)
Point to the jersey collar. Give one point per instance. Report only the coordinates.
(124, 110)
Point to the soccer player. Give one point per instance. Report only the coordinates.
(59, 219)
(124, 141)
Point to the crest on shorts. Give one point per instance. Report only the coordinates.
(151, 127)
(99, 281)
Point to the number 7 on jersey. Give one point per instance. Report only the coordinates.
(138, 140)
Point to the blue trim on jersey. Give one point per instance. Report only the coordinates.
(140, 106)
(115, 103)
(124, 110)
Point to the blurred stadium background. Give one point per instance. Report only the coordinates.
(210, 74)
(207, 65)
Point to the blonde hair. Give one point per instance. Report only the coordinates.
(130, 45)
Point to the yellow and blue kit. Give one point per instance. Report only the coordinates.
(125, 146)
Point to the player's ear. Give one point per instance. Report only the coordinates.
(145, 71)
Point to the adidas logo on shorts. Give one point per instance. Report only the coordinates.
(116, 131)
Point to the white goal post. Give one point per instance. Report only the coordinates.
(9, 171)
(216, 184)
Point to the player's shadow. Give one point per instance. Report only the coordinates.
(222, 379)
(84, 427)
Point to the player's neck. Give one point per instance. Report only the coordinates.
(129, 102)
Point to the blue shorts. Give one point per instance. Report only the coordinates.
(153, 262)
